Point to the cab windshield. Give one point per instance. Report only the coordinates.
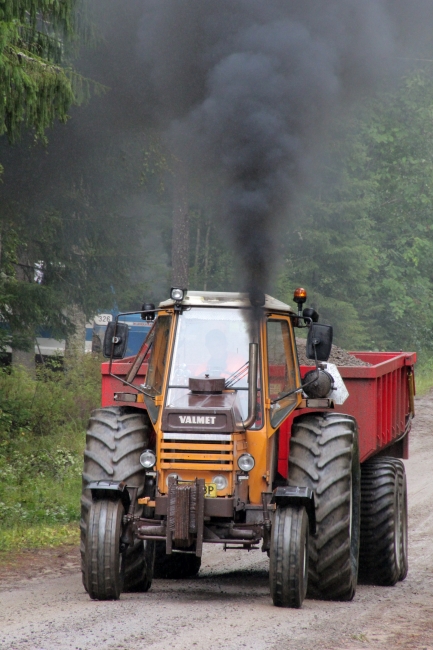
(214, 342)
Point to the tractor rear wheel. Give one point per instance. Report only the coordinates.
(383, 552)
(116, 436)
(324, 456)
(104, 559)
(175, 566)
(288, 569)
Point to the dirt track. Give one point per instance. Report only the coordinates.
(228, 606)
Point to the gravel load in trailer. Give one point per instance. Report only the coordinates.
(338, 356)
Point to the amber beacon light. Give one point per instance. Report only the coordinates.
(300, 296)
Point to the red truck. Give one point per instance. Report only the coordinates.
(214, 433)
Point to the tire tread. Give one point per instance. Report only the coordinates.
(333, 564)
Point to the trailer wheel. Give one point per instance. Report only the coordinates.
(116, 436)
(103, 557)
(404, 563)
(383, 552)
(288, 569)
(324, 456)
(175, 566)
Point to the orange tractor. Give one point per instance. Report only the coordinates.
(214, 434)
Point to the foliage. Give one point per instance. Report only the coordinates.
(424, 374)
(42, 425)
(42, 535)
(35, 88)
(361, 241)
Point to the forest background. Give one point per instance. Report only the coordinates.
(88, 193)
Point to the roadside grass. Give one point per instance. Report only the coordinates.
(19, 538)
(423, 374)
(42, 437)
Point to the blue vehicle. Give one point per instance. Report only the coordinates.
(46, 346)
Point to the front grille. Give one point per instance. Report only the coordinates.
(204, 451)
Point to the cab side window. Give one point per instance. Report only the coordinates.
(281, 370)
(155, 373)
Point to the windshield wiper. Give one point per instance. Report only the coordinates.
(236, 376)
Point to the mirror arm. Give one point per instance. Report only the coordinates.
(138, 388)
(307, 320)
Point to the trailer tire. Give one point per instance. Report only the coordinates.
(404, 560)
(104, 562)
(116, 436)
(383, 551)
(324, 456)
(175, 566)
(288, 567)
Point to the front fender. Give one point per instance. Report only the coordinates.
(110, 490)
(289, 495)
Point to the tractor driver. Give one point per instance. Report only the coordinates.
(220, 363)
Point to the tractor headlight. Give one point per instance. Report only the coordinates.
(220, 481)
(148, 459)
(177, 294)
(246, 462)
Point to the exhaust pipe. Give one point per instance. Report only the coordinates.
(252, 387)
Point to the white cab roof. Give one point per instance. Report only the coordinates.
(226, 299)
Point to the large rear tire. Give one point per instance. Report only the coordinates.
(104, 564)
(324, 456)
(383, 553)
(116, 437)
(288, 568)
(175, 566)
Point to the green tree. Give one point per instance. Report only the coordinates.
(361, 241)
(35, 88)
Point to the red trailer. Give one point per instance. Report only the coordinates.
(381, 399)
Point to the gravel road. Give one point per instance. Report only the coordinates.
(43, 605)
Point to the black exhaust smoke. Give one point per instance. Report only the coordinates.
(245, 89)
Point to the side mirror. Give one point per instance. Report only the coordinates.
(116, 340)
(319, 340)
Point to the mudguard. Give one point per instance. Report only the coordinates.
(289, 495)
(110, 490)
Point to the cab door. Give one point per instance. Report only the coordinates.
(282, 370)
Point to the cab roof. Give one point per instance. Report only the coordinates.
(226, 299)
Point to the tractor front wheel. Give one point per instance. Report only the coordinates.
(288, 570)
(104, 557)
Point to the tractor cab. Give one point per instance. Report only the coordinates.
(221, 376)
